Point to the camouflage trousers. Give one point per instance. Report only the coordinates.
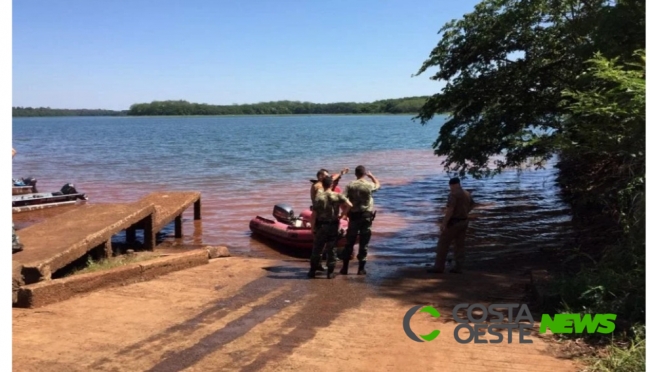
(15, 241)
(325, 236)
(360, 226)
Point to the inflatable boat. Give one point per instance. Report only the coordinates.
(288, 230)
(67, 195)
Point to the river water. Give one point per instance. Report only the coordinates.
(244, 165)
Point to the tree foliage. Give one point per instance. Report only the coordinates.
(527, 79)
(604, 137)
(181, 107)
(506, 65)
(407, 105)
(603, 174)
(46, 111)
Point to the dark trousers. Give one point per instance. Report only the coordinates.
(452, 234)
(359, 225)
(326, 236)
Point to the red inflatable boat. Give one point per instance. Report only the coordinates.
(288, 230)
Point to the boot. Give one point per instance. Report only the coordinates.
(330, 272)
(312, 272)
(362, 266)
(344, 269)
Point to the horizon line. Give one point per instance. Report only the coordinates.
(212, 104)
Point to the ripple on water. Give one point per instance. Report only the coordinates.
(245, 166)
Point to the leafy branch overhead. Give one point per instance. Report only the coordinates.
(506, 66)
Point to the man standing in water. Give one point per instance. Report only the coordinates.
(325, 226)
(454, 227)
(359, 192)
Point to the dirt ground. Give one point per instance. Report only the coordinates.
(256, 314)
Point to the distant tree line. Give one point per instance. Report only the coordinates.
(408, 105)
(46, 111)
(389, 106)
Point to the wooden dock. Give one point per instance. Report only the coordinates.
(59, 241)
(64, 238)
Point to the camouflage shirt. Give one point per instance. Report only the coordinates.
(327, 204)
(360, 194)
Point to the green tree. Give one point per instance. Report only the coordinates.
(604, 140)
(506, 65)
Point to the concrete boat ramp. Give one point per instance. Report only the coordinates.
(59, 241)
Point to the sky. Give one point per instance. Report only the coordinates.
(112, 54)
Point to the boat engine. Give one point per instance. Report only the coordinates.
(29, 181)
(283, 213)
(68, 189)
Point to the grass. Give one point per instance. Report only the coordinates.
(626, 358)
(113, 262)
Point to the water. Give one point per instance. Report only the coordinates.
(244, 165)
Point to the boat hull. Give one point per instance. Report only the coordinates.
(27, 201)
(293, 237)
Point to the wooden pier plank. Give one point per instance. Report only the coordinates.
(58, 241)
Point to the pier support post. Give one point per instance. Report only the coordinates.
(108, 249)
(178, 226)
(149, 236)
(197, 209)
(130, 234)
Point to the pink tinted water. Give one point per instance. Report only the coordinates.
(518, 210)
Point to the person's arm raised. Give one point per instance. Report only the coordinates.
(374, 180)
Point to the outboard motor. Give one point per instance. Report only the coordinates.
(68, 189)
(283, 213)
(30, 181)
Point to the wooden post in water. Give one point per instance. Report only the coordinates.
(197, 209)
(130, 234)
(178, 226)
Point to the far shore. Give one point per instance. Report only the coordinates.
(204, 116)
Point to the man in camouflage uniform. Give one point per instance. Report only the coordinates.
(325, 226)
(317, 184)
(359, 192)
(16, 245)
(454, 227)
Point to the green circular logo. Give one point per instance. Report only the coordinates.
(407, 323)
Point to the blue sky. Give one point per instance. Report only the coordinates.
(111, 54)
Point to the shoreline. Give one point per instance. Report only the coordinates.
(204, 116)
